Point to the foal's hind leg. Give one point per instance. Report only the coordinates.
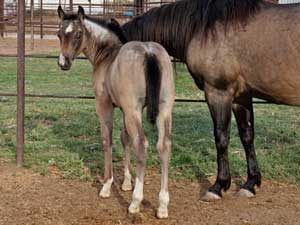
(134, 127)
(125, 138)
(245, 121)
(164, 124)
(105, 113)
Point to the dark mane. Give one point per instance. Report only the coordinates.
(113, 26)
(173, 25)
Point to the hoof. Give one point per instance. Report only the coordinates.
(244, 193)
(133, 209)
(210, 197)
(104, 193)
(162, 213)
(126, 187)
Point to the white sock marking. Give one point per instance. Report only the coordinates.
(105, 191)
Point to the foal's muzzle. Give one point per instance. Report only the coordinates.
(64, 62)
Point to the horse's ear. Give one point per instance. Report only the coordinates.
(113, 22)
(61, 13)
(81, 13)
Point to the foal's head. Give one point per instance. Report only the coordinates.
(79, 31)
(71, 37)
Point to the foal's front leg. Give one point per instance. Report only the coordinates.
(105, 112)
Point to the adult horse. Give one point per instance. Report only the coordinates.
(235, 50)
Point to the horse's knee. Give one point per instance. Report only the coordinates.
(222, 140)
(106, 144)
(141, 145)
(247, 137)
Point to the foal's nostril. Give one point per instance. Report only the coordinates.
(64, 63)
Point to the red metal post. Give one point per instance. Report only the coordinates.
(21, 83)
(71, 5)
(31, 24)
(41, 19)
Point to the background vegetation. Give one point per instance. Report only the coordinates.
(64, 133)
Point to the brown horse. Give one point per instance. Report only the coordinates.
(129, 76)
(235, 50)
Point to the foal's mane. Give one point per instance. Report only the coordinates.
(114, 27)
(173, 25)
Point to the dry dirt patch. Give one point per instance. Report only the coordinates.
(29, 198)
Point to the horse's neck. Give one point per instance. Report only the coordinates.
(101, 53)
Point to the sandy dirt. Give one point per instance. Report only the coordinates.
(30, 198)
(9, 46)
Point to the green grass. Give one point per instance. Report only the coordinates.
(65, 133)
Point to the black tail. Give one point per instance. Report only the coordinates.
(153, 83)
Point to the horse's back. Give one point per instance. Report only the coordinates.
(127, 82)
(263, 57)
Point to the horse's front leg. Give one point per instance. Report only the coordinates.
(220, 105)
(104, 109)
(243, 112)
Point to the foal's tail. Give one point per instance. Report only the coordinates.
(153, 84)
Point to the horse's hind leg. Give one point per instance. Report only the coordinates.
(164, 124)
(105, 113)
(133, 125)
(126, 186)
(245, 121)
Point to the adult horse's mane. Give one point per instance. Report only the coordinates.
(174, 24)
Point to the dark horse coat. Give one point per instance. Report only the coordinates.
(234, 50)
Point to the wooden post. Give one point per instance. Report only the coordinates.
(20, 83)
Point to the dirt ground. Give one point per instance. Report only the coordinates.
(30, 198)
(9, 45)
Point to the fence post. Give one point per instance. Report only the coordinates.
(71, 5)
(31, 24)
(1, 18)
(41, 19)
(20, 83)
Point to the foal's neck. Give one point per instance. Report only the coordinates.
(102, 45)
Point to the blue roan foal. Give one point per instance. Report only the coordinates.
(130, 76)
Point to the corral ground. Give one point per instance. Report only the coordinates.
(29, 198)
(59, 146)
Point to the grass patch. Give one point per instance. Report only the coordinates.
(65, 133)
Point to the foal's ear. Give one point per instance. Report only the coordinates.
(113, 22)
(81, 13)
(61, 13)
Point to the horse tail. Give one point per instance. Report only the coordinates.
(153, 83)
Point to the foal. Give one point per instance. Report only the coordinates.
(130, 76)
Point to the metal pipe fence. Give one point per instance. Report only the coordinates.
(32, 16)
